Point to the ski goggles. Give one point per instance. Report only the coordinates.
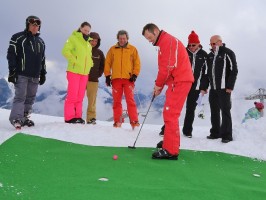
(34, 21)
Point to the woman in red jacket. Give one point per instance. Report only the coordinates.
(174, 70)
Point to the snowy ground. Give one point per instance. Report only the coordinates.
(249, 138)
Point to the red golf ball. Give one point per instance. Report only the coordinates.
(115, 157)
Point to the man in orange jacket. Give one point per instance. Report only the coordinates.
(174, 70)
(122, 67)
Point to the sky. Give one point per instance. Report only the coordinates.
(241, 23)
(249, 138)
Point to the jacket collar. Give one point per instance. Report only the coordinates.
(118, 46)
(159, 36)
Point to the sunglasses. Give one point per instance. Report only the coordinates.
(191, 45)
(215, 43)
(34, 21)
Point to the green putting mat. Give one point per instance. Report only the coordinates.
(36, 168)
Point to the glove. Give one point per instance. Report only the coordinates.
(133, 78)
(12, 76)
(108, 81)
(42, 79)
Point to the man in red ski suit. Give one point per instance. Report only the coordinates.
(174, 70)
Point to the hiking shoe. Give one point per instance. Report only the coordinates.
(134, 124)
(117, 125)
(91, 121)
(28, 123)
(163, 154)
(160, 145)
(17, 123)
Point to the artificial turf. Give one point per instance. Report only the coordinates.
(37, 168)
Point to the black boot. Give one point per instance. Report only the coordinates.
(163, 154)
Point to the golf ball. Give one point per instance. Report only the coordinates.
(115, 157)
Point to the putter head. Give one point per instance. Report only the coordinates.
(132, 147)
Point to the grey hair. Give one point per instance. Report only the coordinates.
(122, 32)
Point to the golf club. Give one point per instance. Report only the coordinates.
(133, 147)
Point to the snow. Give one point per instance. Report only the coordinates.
(249, 138)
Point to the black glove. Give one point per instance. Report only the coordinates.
(42, 79)
(12, 76)
(133, 78)
(108, 81)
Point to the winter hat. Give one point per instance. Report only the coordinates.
(193, 38)
(259, 105)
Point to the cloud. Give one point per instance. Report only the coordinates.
(241, 23)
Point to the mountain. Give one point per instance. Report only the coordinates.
(50, 101)
(5, 94)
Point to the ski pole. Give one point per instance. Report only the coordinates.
(133, 147)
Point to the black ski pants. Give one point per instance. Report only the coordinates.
(220, 103)
(190, 111)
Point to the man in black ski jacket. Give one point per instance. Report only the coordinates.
(222, 73)
(27, 69)
(198, 60)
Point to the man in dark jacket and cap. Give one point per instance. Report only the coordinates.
(95, 73)
(27, 69)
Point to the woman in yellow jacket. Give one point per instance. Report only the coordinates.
(78, 52)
